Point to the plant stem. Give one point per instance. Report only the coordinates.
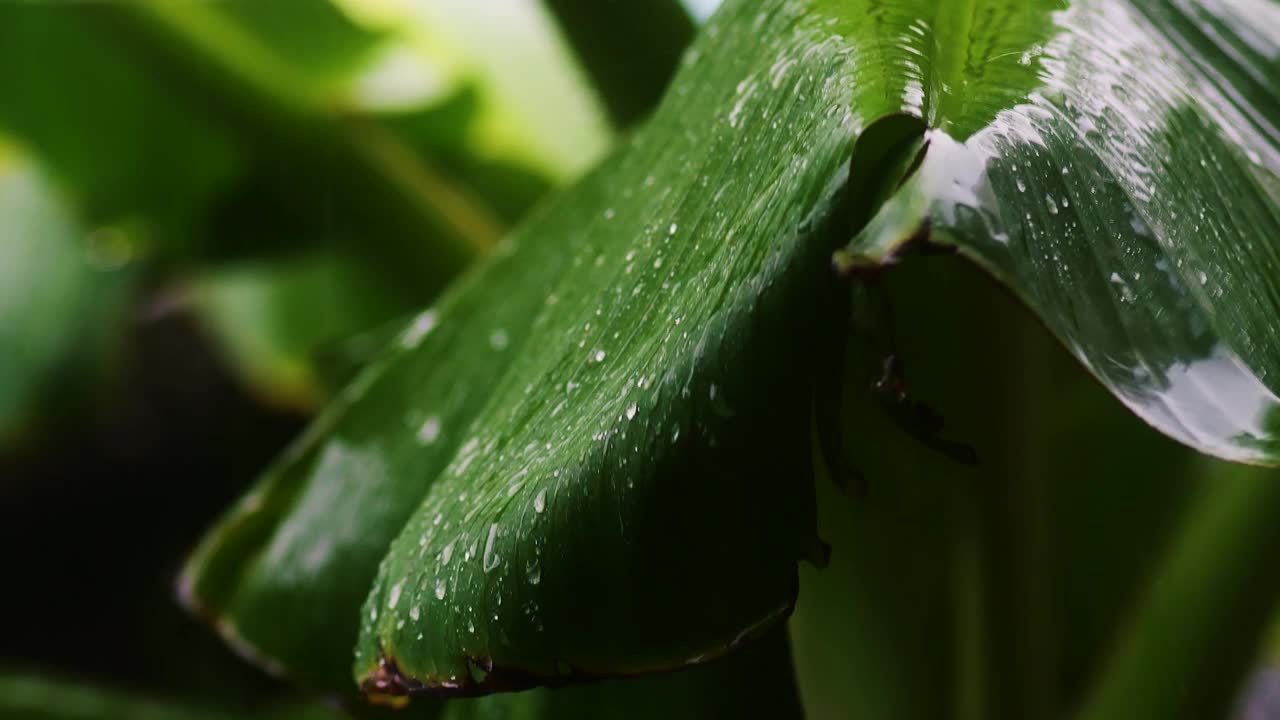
(417, 223)
(1019, 677)
(1189, 646)
(629, 49)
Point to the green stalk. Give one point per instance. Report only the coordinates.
(404, 209)
(1205, 618)
(1017, 625)
(629, 49)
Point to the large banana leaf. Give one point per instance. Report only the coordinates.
(591, 457)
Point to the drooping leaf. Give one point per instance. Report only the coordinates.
(621, 484)
(1121, 174)
(60, 293)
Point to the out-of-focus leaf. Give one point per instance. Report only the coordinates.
(61, 292)
(755, 683)
(630, 50)
(533, 107)
(1190, 645)
(34, 697)
(272, 317)
(1117, 164)
(893, 628)
(102, 126)
(617, 491)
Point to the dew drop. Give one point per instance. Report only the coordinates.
(415, 612)
(540, 501)
(490, 556)
(441, 586)
(672, 230)
(631, 411)
(533, 571)
(446, 554)
(598, 356)
(395, 595)
(430, 430)
(422, 325)
(498, 339)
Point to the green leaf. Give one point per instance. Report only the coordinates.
(718, 690)
(1208, 600)
(596, 463)
(1118, 166)
(272, 318)
(60, 293)
(55, 72)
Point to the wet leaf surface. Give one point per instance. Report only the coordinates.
(1126, 185)
(591, 457)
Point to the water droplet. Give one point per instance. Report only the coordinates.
(657, 263)
(395, 595)
(598, 356)
(447, 553)
(415, 612)
(442, 585)
(540, 501)
(1022, 187)
(672, 230)
(1052, 205)
(1203, 277)
(631, 411)
(422, 325)
(490, 556)
(675, 433)
(533, 571)
(498, 339)
(430, 430)
(609, 213)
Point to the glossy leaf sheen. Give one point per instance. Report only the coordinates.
(591, 457)
(1119, 169)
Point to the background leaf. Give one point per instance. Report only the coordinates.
(61, 293)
